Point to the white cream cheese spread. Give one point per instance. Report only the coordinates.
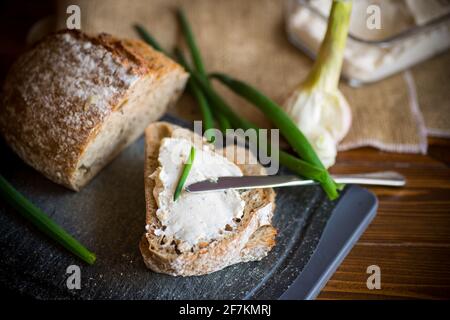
(194, 217)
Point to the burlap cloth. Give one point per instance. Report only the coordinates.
(432, 80)
(246, 39)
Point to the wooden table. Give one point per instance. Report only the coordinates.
(410, 237)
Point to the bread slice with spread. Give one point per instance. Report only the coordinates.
(204, 232)
(73, 102)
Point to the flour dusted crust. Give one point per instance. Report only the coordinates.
(74, 101)
(252, 239)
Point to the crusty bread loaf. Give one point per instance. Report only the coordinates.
(73, 102)
(251, 240)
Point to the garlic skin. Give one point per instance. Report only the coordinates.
(323, 116)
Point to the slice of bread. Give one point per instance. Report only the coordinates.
(252, 238)
(73, 102)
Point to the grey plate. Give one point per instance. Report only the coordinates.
(108, 216)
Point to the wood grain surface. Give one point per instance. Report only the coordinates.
(410, 236)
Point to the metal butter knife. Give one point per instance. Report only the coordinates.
(384, 178)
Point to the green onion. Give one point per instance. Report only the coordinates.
(190, 40)
(208, 120)
(298, 166)
(326, 70)
(224, 123)
(184, 174)
(198, 61)
(148, 38)
(319, 92)
(212, 96)
(43, 222)
(275, 113)
(222, 105)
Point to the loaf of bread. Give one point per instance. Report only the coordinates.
(250, 240)
(72, 102)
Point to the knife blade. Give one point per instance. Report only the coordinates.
(385, 178)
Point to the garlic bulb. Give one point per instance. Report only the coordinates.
(318, 108)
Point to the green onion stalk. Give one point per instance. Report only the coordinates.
(205, 109)
(317, 106)
(145, 36)
(184, 174)
(197, 60)
(43, 222)
(301, 167)
(274, 112)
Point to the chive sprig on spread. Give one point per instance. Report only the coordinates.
(184, 174)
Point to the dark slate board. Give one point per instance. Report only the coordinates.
(108, 218)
